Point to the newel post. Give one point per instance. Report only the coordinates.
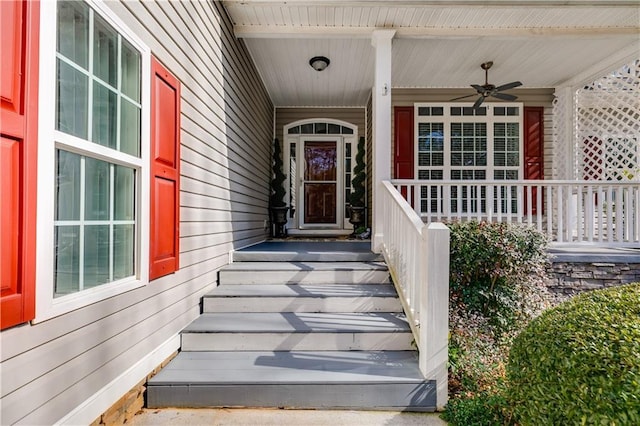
(434, 308)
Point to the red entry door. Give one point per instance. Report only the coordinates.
(320, 182)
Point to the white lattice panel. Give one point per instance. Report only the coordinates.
(607, 139)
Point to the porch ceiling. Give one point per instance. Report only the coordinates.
(439, 44)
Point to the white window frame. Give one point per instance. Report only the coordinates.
(49, 139)
(447, 119)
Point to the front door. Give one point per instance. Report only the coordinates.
(320, 182)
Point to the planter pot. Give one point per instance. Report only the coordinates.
(357, 217)
(278, 221)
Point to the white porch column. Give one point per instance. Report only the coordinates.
(564, 159)
(381, 116)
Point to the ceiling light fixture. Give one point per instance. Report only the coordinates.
(319, 63)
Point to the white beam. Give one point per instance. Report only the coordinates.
(327, 31)
(612, 63)
(427, 3)
(381, 94)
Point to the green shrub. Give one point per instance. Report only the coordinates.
(497, 270)
(484, 409)
(579, 363)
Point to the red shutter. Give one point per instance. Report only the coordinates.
(18, 159)
(404, 145)
(164, 250)
(533, 148)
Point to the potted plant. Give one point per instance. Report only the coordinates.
(278, 206)
(357, 198)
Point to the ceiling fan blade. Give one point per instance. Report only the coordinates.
(508, 86)
(478, 102)
(463, 97)
(478, 88)
(504, 96)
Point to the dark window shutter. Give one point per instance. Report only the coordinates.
(164, 250)
(18, 159)
(404, 145)
(533, 148)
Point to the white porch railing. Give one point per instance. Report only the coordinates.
(569, 212)
(418, 259)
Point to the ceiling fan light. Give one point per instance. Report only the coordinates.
(319, 63)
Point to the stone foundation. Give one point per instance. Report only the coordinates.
(131, 403)
(568, 278)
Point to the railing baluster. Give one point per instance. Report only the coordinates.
(619, 216)
(589, 213)
(610, 213)
(579, 214)
(529, 204)
(550, 211)
(560, 216)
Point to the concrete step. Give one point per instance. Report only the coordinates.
(302, 298)
(346, 380)
(289, 331)
(304, 273)
(307, 251)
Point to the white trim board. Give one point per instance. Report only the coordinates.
(102, 400)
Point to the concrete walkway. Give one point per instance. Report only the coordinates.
(275, 417)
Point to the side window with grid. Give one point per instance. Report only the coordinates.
(98, 151)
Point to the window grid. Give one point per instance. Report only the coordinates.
(83, 223)
(93, 79)
(478, 145)
(89, 144)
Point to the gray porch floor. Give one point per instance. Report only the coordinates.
(588, 253)
(309, 250)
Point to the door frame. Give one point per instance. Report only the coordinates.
(348, 135)
(338, 139)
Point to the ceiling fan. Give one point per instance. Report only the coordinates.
(487, 89)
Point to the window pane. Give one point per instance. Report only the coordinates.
(96, 255)
(294, 130)
(105, 51)
(130, 82)
(456, 159)
(306, 129)
(73, 32)
(437, 159)
(67, 186)
(334, 129)
(72, 94)
(104, 115)
(124, 193)
(347, 131)
(320, 128)
(96, 191)
(129, 128)
(123, 254)
(424, 159)
(67, 253)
